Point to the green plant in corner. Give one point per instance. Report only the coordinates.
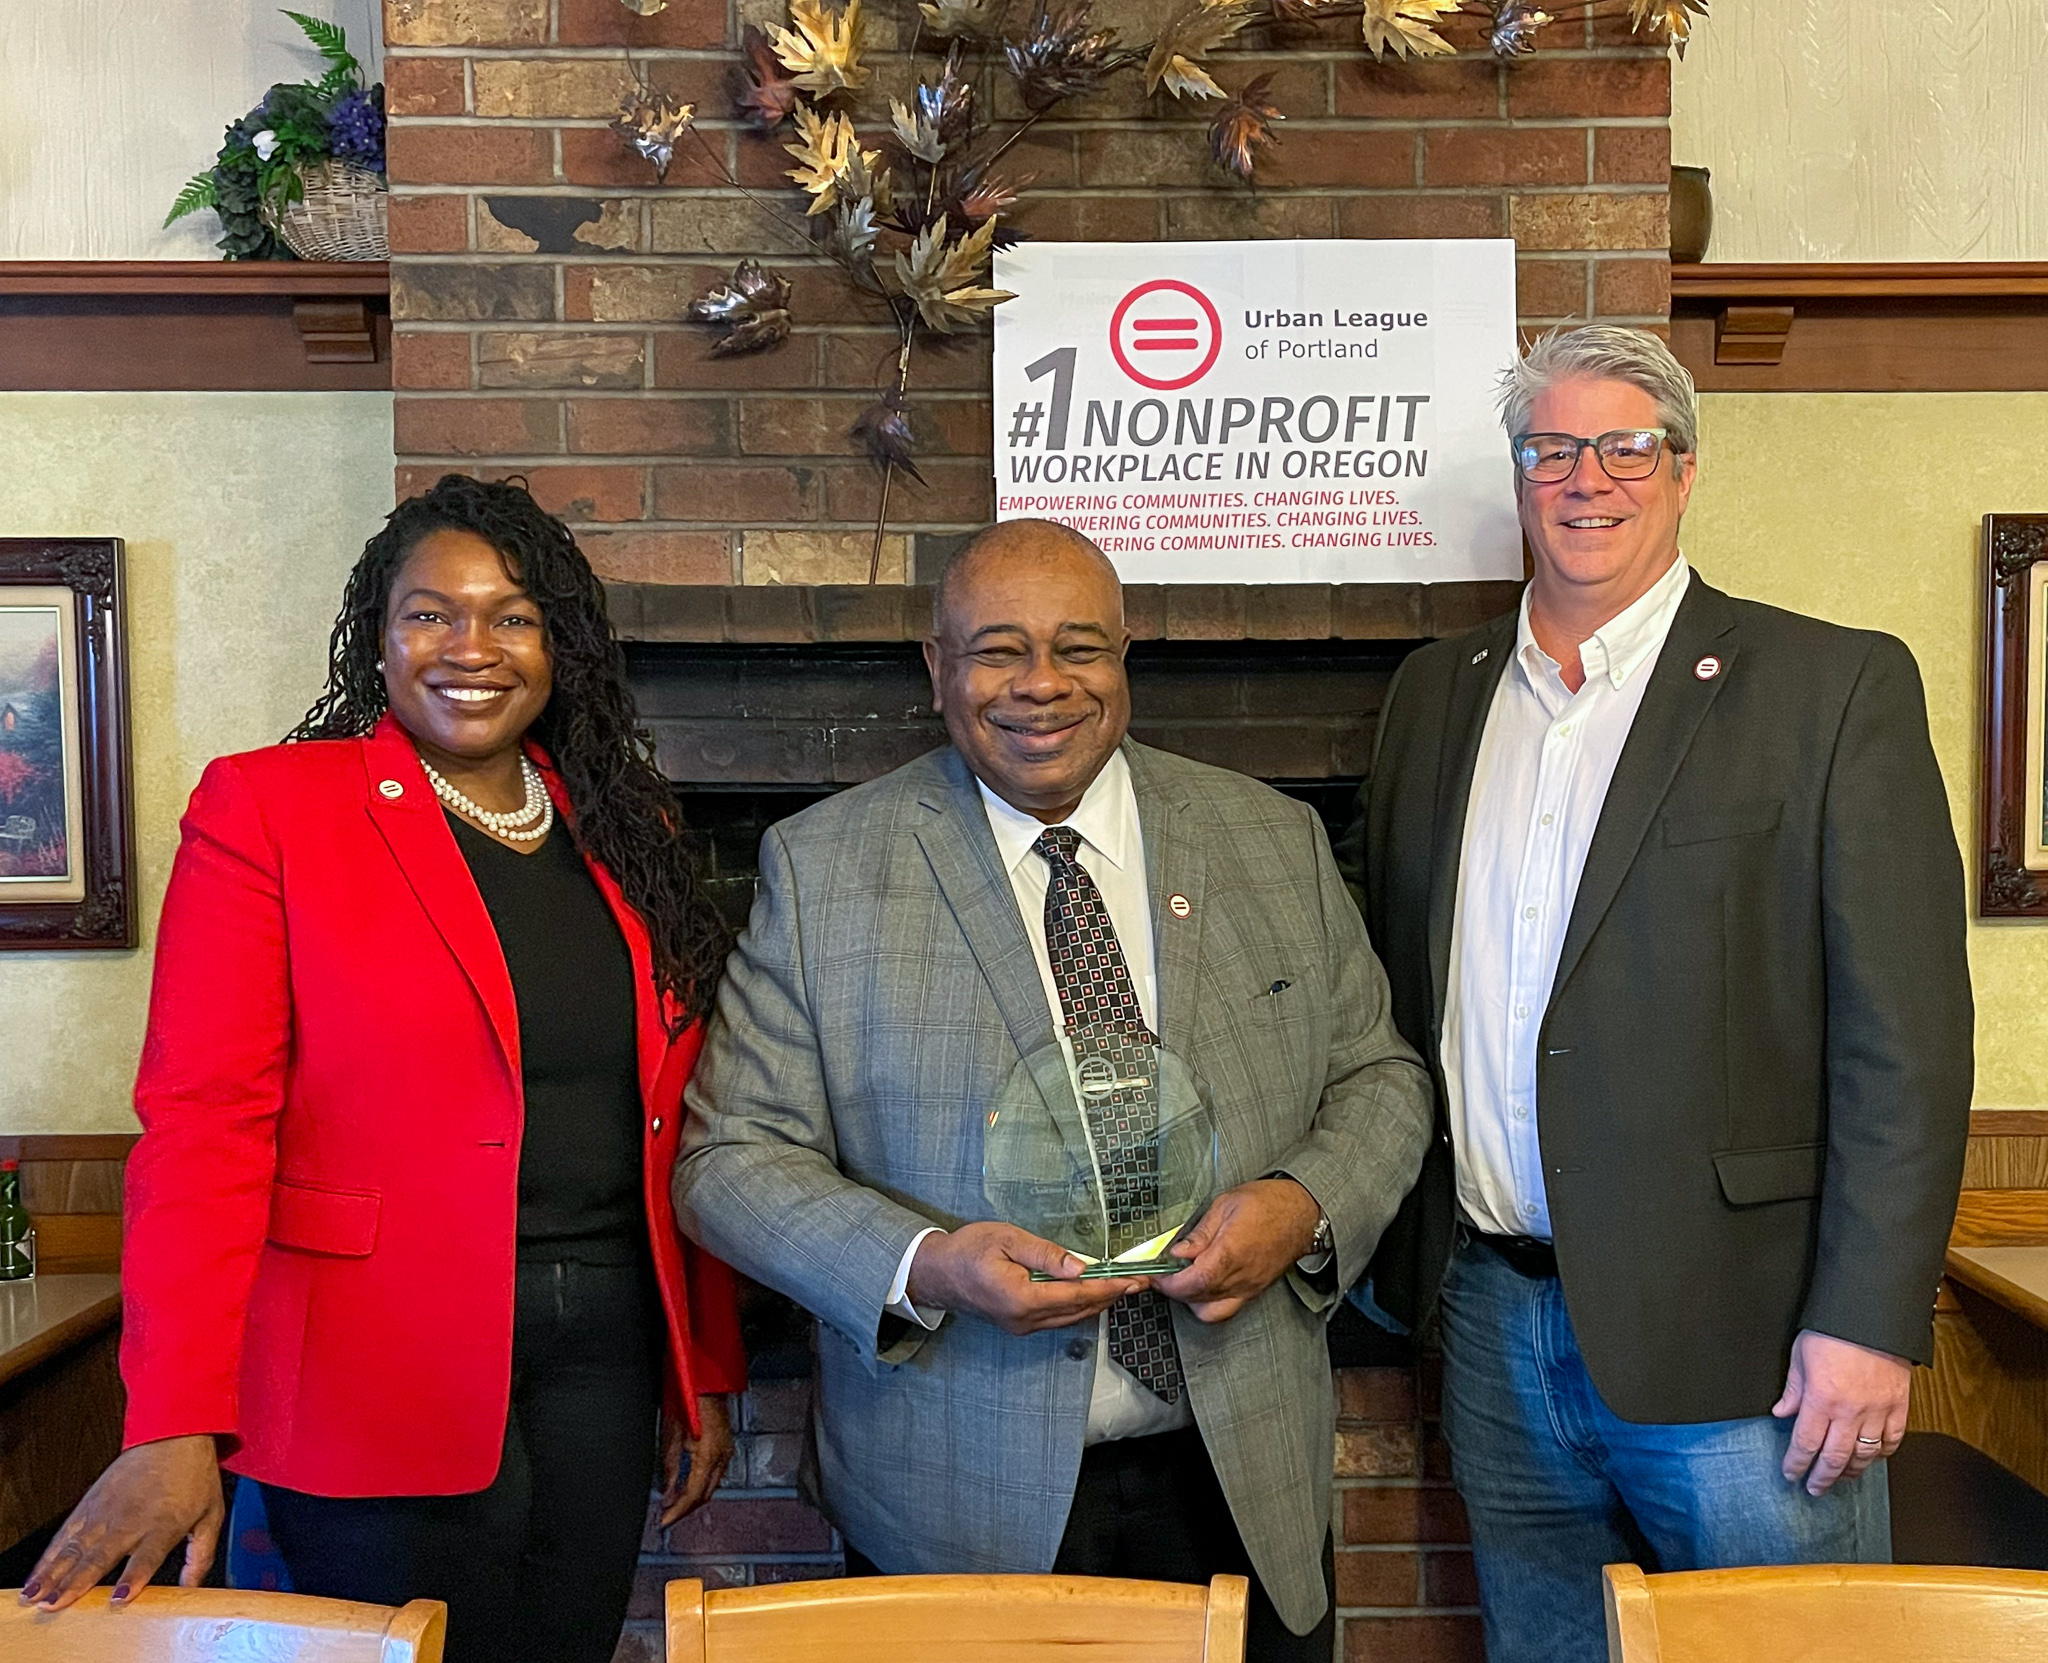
(259, 171)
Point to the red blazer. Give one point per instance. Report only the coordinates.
(322, 1211)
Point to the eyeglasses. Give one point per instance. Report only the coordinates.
(1625, 453)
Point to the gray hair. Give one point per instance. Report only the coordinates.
(1605, 352)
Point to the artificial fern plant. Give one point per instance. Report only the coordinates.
(261, 155)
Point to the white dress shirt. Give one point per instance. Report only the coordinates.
(1112, 852)
(1538, 786)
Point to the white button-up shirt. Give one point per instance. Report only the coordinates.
(1112, 852)
(1539, 783)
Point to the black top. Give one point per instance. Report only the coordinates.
(579, 1162)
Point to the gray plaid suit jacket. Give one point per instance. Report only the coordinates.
(878, 1001)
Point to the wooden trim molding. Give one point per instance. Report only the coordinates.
(301, 279)
(1953, 280)
(2009, 1123)
(1968, 326)
(195, 325)
(69, 1146)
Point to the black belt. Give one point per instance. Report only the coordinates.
(1530, 1255)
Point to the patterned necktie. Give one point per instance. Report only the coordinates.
(1095, 989)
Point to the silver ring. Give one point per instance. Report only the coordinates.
(1870, 1440)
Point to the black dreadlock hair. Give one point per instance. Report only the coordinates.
(625, 814)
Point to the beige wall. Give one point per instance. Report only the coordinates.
(106, 110)
(1865, 508)
(242, 513)
(1869, 129)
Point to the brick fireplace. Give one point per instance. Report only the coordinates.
(539, 277)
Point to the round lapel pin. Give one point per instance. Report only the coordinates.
(1178, 905)
(390, 788)
(1707, 668)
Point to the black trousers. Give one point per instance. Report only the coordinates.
(538, 1568)
(1151, 1508)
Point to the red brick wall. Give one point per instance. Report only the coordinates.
(1405, 1592)
(538, 272)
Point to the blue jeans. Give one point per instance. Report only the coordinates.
(1558, 1485)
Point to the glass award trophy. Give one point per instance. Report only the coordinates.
(1105, 1145)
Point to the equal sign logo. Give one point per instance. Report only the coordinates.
(1165, 334)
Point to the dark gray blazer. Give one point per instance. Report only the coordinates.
(879, 1000)
(1754, 1074)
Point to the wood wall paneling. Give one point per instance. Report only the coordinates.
(72, 1187)
(1988, 1385)
(2000, 1218)
(60, 1424)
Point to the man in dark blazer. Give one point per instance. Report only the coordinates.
(1668, 894)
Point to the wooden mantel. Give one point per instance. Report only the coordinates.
(190, 325)
(1963, 326)
(1813, 327)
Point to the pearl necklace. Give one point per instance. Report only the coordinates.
(538, 802)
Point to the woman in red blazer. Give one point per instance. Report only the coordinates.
(399, 1241)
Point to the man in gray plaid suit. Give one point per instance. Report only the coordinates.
(912, 940)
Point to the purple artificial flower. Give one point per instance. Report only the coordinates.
(355, 128)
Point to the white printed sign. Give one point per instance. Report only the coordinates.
(1263, 412)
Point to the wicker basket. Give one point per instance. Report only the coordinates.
(341, 218)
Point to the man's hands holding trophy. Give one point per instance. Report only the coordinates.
(1099, 1154)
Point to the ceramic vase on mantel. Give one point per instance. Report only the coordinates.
(1692, 214)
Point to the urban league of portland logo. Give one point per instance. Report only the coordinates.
(1165, 334)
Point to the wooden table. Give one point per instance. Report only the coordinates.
(60, 1395)
(1989, 1383)
(2017, 1277)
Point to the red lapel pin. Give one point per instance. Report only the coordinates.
(1707, 668)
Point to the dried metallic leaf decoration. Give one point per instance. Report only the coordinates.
(752, 306)
(1515, 23)
(963, 19)
(851, 235)
(767, 94)
(1405, 26)
(1189, 36)
(948, 102)
(916, 132)
(1062, 56)
(822, 51)
(1244, 124)
(651, 123)
(983, 198)
(826, 146)
(756, 332)
(941, 277)
(1672, 17)
(884, 428)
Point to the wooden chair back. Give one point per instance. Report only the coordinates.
(1826, 1614)
(197, 1625)
(943, 1619)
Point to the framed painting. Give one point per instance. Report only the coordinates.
(67, 835)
